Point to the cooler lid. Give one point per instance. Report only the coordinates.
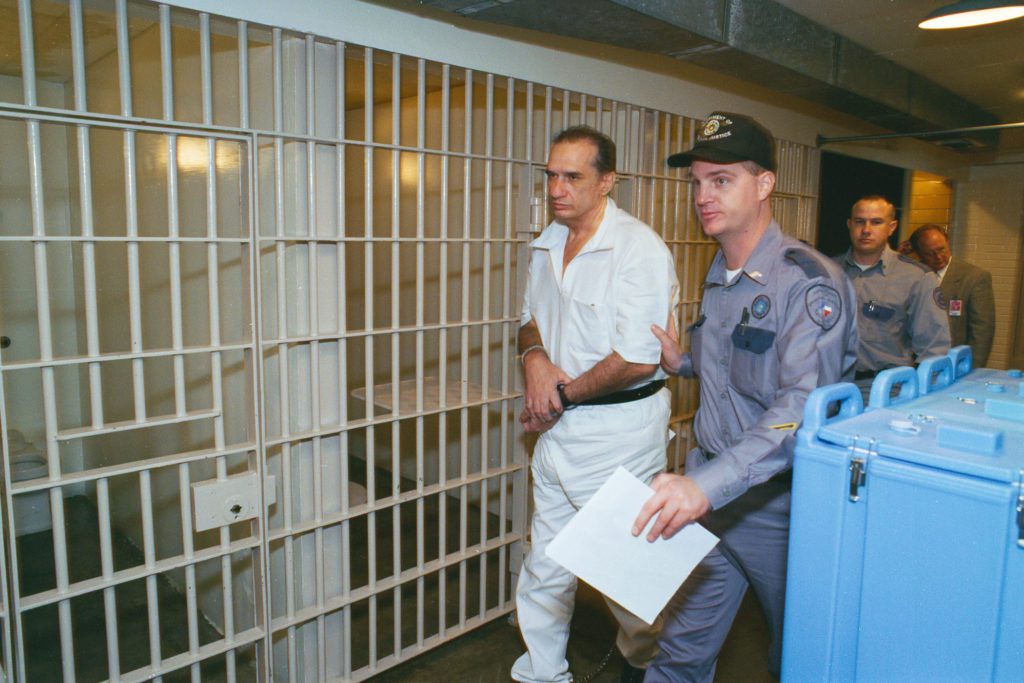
(974, 426)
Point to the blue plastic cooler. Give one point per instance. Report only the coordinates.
(906, 550)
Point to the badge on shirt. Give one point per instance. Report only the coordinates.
(824, 306)
(760, 307)
(940, 300)
(956, 307)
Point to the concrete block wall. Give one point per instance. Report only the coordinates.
(989, 232)
(931, 201)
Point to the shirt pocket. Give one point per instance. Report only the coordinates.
(874, 310)
(884, 321)
(589, 338)
(752, 362)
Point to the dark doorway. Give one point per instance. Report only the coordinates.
(844, 180)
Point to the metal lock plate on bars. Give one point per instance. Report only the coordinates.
(234, 499)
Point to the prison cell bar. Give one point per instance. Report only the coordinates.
(369, 360)
(45, 340)
(464, 328)
(396, 450)
(342, 394)
(167, 88)
(313, 327)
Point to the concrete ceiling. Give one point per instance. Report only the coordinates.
(865, 58)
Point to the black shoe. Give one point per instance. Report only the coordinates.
(631, 674)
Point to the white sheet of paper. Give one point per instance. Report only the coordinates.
(597, 546)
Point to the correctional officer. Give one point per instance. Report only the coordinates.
(966, 292)
(775, 323)
(598, 278)
(900, 317)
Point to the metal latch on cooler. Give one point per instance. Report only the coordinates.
(859, 467)
(1020, 520)
(858, 475)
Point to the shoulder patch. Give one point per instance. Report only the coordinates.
(940, 300)
(807, 262)
(824, 306)
(914, 262)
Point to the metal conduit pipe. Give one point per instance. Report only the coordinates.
(822, 140)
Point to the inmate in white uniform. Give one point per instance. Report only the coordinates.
(621, 282)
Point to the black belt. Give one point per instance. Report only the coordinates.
(864, 374)
(625, 396)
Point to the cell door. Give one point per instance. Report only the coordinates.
(132, 499)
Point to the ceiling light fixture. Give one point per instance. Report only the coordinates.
(972, 13)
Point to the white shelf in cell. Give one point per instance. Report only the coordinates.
(457, 393)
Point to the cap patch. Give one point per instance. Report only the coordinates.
(726, 138)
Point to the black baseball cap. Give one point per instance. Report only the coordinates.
(726, 138)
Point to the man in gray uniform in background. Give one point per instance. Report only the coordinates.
(776, 321)
(900, 317)
(966, 292)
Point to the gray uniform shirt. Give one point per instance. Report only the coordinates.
(761, 344)
(899, 311)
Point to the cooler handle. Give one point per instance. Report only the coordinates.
(881, 389)
(963, 360)
(816, 410)
(934, 373)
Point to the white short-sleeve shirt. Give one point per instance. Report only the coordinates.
(621, 282)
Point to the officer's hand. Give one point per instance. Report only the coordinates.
(677, 501)
(542, 378)
(539, 426)
(671, 354)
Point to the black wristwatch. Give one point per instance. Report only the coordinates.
(566, 403)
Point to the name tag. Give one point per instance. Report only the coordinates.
(956, 307)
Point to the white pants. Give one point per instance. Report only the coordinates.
(570, 462)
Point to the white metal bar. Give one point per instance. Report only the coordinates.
(166, 65)
(243, 74)
(213, 304)
(421, 125)
(45, 343)
(485, 345)
(396, 267)
(312, 304)
(188, 553)
(86, 213)
(173, 232)
(368, 315)
(107, 571)
(149, 557)
(508, 330)
(113, 121)
(529, 121)
(284, 387)
(547, 121)
(131, 208)
(467, 195)
(342, 395)
(442, 362)
(133, 425)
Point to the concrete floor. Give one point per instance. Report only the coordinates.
(486, 655)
